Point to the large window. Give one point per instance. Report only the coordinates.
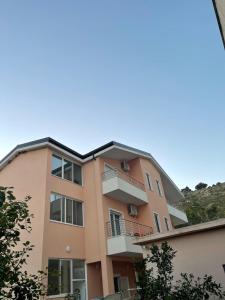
(66, 276)
(66, 210)
(65, 169)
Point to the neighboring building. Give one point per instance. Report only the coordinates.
(200, 249)
(219, 6)
(89, 209)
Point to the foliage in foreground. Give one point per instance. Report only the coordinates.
(156, 281)
(15, 283)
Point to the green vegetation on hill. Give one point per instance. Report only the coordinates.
(205, 203)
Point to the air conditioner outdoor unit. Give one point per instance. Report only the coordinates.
(125, 166)
(132, 210)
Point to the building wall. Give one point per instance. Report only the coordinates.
(94, 276)
(138, 169)
(27, 174)
(200, 253)
(59, 236)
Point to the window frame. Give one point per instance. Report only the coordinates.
(112, 210)
(167, 225)
(65, 202)
(223, 266)
(63, 158)
(159, 223)
(59, 157)
(149, 181)
(71, 276)
(159, 188)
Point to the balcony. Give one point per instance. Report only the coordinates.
(122, 187)
(121, 236)
(178, 216)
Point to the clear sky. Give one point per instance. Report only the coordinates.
(149, 74)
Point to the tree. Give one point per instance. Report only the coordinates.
(201, 186)
(186, 190)
(155, 279)
(15, 282)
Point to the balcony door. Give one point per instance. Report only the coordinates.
(115, 219)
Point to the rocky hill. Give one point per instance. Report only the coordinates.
(205, 203)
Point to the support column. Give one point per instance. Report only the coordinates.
(107, 276)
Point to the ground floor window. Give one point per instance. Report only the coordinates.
(67, 276)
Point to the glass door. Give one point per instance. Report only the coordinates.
(115, 219)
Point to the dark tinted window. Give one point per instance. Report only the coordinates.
(67, 170)
(77, 213)
(77, 176)
(53, 277)
(56, 165)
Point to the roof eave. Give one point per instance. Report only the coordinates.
(219, 22)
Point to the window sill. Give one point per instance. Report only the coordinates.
(73, 225)
(67, 180)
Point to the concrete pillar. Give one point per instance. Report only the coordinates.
(107, 276)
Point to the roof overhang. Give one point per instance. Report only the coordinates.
(176, 233)
(122, 152)
(111, 150)
(219, 7)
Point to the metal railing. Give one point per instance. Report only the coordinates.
(127, 228)
(117, 173)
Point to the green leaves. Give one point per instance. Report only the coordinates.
(15, 218)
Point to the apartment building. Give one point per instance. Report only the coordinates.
(88, 211)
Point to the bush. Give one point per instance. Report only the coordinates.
(14, 282)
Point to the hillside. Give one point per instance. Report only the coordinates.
(204, 204)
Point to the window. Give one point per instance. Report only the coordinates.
(56, 165)
(66, 210)
(65, 169)
(149, 181)
(56, 207)
(115, 219)
(66, 276)
(159, 188)
(167, 224)
(157, 222)
(69, 211)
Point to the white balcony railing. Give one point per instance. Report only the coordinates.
(121, 236)
(117, 173)
(120, 186)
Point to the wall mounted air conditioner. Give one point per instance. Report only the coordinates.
(125, 166)
(132, 210)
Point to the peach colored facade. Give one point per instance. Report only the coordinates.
(29, 170)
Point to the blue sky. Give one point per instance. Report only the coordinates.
(150, 74)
